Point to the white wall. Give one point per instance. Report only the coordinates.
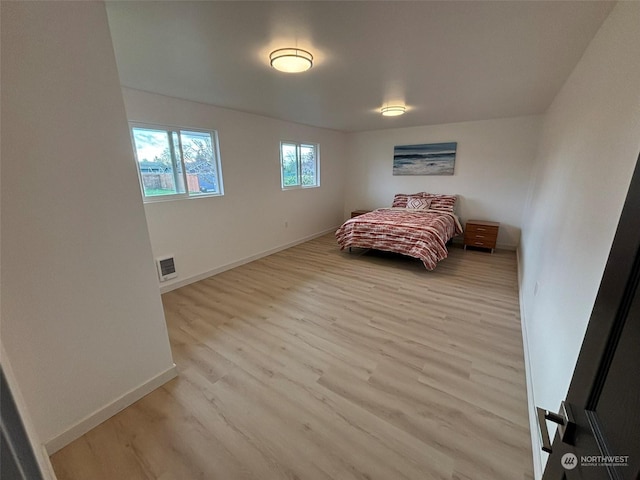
(208, 235)
(82, 320)
(589, 146)
(493, 166)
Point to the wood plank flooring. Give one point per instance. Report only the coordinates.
(319, 364)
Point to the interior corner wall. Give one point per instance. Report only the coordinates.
(81, 321)
(255, 216)
(493, 165)
(588, 149)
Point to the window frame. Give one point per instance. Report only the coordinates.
(176, 162)
(299, 146)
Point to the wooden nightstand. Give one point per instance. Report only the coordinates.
(357, 213)
(478, 233)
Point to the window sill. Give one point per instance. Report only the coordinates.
(299, 187)
(176, 198)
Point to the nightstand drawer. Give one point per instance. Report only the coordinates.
(481, 236)
(474, 229)
(480, 243)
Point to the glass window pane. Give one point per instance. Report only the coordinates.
(308, 165)
(289, 165)
(200, 162)
(155, 163)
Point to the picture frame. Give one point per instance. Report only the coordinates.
(425, 159)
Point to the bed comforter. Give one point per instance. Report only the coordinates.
(420, 234)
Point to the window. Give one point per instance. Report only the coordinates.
(299, 164)
(176, 163)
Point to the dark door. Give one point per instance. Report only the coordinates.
(17, 460)
(600, 438)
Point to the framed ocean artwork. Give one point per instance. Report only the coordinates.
(424, 159)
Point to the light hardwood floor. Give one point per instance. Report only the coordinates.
(319, 364)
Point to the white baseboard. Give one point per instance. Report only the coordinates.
(48, 473)
(96, 418)
(536, 446)
(201, 276)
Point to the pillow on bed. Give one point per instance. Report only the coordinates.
(446, 203)
(418, 203)
(400, 199)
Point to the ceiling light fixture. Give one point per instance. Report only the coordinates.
(393, 110)
(291, 60)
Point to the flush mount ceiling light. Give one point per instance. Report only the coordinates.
(393, 110)
(291, 60)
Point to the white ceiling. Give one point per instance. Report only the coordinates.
(448, 61)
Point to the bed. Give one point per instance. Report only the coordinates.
(418, 225)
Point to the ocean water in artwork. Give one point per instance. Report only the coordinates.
(424, 159)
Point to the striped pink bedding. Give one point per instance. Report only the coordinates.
(417, 233)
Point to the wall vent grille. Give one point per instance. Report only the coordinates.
(166, 268)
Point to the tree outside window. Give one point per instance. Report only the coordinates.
(299, 165)
(176, 163)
